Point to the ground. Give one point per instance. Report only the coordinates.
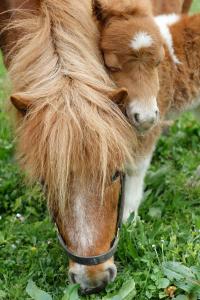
(169, 229)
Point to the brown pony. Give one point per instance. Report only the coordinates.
(133, 46)
(71, 136)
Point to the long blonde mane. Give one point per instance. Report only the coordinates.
(72, 128)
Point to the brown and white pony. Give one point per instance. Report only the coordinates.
(159, 65)
(71, 136)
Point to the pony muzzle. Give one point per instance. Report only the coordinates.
(92, 279)
(143, 115)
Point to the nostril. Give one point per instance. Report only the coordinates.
(137, 117)
(157, 114)
(112, 273)
(72, 277)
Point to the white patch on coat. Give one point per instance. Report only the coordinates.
(134, 185)
(163, 22)
(141, 40)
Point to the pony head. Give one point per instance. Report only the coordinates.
(71, 136)
(84, 208)
(133, 50)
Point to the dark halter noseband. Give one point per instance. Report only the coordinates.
(99, 259)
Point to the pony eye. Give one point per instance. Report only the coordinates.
(114, 69)
(115, 176)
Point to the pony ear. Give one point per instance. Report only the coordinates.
(21, 104)
(119, 96)
(112, 62)
(99, 11)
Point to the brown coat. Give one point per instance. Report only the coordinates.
(171, 6)
(6, 6)
(180, 84)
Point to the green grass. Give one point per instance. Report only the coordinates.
(169, 229)
(196, 6)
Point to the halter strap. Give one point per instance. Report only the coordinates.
(90, 260)
(99, 259)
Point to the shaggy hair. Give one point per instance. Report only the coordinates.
(115, 8)
(72, 129)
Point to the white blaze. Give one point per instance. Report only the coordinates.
(141, 40)
(84, 235)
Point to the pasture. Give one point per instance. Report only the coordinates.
(168, 230)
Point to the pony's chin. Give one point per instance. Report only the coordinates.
(143, 131)
(87, 292)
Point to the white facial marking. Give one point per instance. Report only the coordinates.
(163, 22)
(141, 40)
(84, 235)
